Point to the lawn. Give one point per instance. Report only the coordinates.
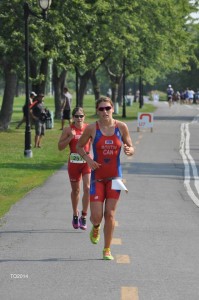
(19, 175)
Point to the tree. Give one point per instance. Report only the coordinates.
(12, 51)
(153, 36)
(10, 58)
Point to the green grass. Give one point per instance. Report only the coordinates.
(19, 175)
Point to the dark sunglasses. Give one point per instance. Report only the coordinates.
(106, 108)
(79, 116)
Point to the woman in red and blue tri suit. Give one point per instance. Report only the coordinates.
(107, 135)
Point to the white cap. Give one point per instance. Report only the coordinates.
(33, 94)
(169, 85)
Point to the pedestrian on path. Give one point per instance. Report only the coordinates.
(77, 166)
(107, 136)
(170, 92)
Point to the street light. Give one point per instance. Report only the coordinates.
(44, 4)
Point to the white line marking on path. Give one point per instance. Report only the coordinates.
(189, 161)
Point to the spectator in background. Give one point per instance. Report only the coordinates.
(186, 95)
(191, 94)
(66, 107)
(137, 96)
(38, 113)
(170, 93)
(197, 97)
(31, 99)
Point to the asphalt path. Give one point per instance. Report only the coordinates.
(156, 240)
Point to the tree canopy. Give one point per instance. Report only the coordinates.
(156, 37)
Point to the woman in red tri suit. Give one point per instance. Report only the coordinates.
(77, 166)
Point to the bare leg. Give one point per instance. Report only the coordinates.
(21, 122)
(96, 212)
(109, 225)
(62, 124)
(75, 194)
(96, 219)
(37, 140)
(86, 192)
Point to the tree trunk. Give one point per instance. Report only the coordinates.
(115, 83)
(43, 72)
(58, 82)
(95, 84)
(33, 75)
(114, 86)
(8, 98)
(83, 84)
(41, 86)
(120, 93)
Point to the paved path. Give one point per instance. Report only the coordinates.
(156, 241)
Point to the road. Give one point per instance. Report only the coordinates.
(156, 240)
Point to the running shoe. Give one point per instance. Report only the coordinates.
(94, 235)
(107, 254)
(75, 222)
(82, 223)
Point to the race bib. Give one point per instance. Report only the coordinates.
(76, 158)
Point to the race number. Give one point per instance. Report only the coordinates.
(76, 158)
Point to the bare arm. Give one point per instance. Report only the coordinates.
(128, 144)
(63, 103)
(88, 134)
(65, 138)
(32, 115)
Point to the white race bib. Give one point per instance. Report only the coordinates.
(76, 158)
(117, 184)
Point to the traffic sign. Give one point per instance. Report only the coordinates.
(145, 120)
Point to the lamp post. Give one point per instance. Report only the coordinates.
(44, 4)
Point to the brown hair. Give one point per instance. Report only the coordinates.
(103, 99)
(76, 109)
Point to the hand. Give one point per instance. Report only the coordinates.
(92, 163)
(128, 150)
(73, 133)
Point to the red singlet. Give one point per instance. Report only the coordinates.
(77, 169)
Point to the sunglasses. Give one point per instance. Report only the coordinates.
(79, 116)
(106, 108)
